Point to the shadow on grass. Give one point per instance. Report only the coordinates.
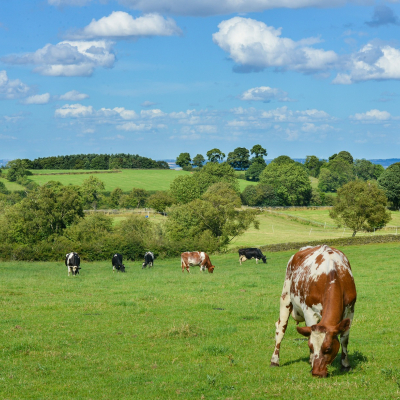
(300, 359)
(356, 360)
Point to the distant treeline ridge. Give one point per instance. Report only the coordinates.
(95, 161)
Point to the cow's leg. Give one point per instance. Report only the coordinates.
(344, 341)
(240, 260)
(281, 325)
(113, 269)
(69, 271)
(256, 260)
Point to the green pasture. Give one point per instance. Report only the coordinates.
(148, 179)
(162, 334)
(322, 215)
(11, 185)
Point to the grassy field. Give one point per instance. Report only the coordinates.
(161, 334)
(126, 179)
(11, 185)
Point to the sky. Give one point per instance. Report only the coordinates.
(161, 77)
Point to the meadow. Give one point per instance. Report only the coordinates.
(162, 334)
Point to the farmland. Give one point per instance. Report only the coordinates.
(126, 179)
(161, 334)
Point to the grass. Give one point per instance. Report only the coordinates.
(160, 334)
(126, 179)
(11, 185)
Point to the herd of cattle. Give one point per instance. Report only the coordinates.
(318, 289)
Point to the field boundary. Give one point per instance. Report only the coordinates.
(79, 173)
(352, 241)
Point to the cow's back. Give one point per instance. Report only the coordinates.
(312, 268)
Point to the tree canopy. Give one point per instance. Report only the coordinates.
(290, 181)
(239, 158)
(389, 180)
(183, 160)
(215, 155)
(360, 206)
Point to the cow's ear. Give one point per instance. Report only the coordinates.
(342, 327)
(305, 331)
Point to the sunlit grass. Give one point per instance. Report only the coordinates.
(160, 334)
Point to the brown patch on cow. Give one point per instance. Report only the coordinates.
(284, 296)
(319, 260)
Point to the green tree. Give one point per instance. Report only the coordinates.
(115, 197)
(260, 195)
(3, 188)
(160, 201)
(185, 189)
(283, 160)
(44, 212)
(136, 198)
(215, 172)
(346, 156)
(16, 170)
(258, 151)
(215, 155)
(313, 165)
(215, 216)
(335, 174)
(378, 171)
(360, 206)
(389, 181)
(91, 190)
(290, 181)
(198, 161)
(257, 166)
(239, 158)
(183, 160)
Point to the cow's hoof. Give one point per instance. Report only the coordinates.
(345, 369)
(274, 364)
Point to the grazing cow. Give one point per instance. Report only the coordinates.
(318, 289)
(73, 262)
(148, 260)
(248, 254)
(117, 263)
(196, 258)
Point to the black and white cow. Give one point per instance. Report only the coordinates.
(248, 254)
(148, 260)
(117, 263)
(73, 262)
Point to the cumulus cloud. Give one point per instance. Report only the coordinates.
(383, 15)
(372, 62)
(148, 103)
(38, 99)
(131, 126)
(12, 88)
(264, 94)
(80, 111)
(211, 7)
(373, 116)
(255, 46)
(74, 111)
(68, 58)
(73, 95)
(121, 25)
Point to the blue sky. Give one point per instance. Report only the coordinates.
(160, 77)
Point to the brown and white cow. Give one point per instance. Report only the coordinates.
(189, 259)
(318, 289)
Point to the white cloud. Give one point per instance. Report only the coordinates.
(373, 116)
(148, 103)
(73, 95)
(68, 58)
(131, 126)
(283, 114)
(12, 88)
(255, 46)
(264, 94)
(74, 111)
(372, 62)
(38, 99)
(121, 25)
(212, 7)
(155, 113)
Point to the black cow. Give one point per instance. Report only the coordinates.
(73, 262)
(148, 260)
(248, 254)
(117, 263)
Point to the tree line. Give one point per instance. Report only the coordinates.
(88, 162)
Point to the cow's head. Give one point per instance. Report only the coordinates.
(122, 268)
(264, 259)
(144, 265)
(75, 270)
(324, 345)
(211, 269)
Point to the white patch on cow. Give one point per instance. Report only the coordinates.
(317, 308)
(316, 339)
